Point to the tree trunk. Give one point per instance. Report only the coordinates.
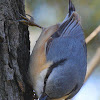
(14, 52)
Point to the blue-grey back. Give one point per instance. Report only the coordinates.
(74, 51)
(70, 45)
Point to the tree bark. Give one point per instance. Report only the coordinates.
(14, 52)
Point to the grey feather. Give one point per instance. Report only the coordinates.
(67, 42)
(64, 78)
(69, 45)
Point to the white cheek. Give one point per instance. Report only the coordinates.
(40, 82)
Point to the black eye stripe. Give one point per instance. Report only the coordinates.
(54, 65)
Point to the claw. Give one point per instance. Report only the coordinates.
(30, 16)
(30, 21)
(24, 22)
(24, 17)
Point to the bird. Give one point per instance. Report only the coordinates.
(58, 62)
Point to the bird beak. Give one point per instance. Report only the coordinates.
(43, 97)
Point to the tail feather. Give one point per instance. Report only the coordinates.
(71, 25)
(72, 28)
(68, 28)
(78, 32)
(71, 8)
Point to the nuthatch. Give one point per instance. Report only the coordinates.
(59, 59)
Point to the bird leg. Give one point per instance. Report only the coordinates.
(28, 21)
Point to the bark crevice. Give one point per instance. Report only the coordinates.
(14, 52)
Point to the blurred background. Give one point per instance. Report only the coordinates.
(50, 12)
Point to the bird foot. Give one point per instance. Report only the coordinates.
(29, 21)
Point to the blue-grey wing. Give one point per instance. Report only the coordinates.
(72, 70)
(67, 43)
(66, 47)
(70, 28)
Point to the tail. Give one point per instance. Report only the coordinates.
(71, 25)
(71, 8)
